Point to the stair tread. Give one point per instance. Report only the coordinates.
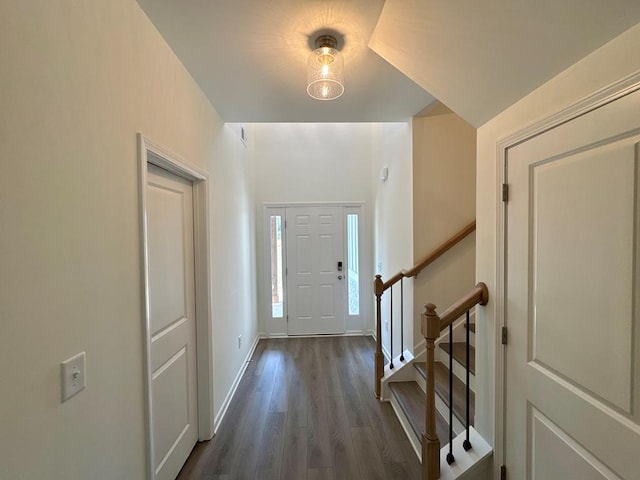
(441, 383)
(460, 355)
(412, 400)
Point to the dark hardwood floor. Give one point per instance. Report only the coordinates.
(305, 409)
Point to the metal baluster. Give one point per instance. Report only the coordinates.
(467, 444)
(450, 457)
(391, 327)
(401, 321)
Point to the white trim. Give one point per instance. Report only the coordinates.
(151, 152)
(589, 103)
(234, 386)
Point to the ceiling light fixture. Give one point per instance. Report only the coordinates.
(325, 70)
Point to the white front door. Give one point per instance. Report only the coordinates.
(316, 278)
(572, 359)
(172, 319)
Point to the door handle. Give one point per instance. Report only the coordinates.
(339, 277)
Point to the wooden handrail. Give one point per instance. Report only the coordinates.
(432, 325)
(432, 257)
(478, 295)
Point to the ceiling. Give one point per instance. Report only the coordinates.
(479, 57)
(249, 56)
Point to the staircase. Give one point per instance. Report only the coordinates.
(408, 400)
(433, 394)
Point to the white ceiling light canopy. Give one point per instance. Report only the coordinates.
(325, 70)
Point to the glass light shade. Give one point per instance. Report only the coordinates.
(325, 74)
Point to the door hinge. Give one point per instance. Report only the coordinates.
(505, 192)
(287, 318)
(503, 472)
(504, 335)
(286, 270)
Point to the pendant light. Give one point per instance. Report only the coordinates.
(325, 70)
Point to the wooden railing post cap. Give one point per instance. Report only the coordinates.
(430, 310)
(430, 323)
(378, 286)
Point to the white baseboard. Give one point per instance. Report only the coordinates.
(355, 333)
(234, 386)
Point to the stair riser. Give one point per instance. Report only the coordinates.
(444, 411)
(458, 369)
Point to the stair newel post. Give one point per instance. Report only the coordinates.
(430, 441)
(378, 289)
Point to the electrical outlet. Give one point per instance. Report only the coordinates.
(239, 341)
(73, 372)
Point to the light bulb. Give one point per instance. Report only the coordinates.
(325, 91)
(324, 71)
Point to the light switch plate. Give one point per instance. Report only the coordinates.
(73, 373)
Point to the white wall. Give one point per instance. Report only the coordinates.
(79, 80)
(311, 162)
(612, 62)
(233, 252)
(444, 201)
(393, 221)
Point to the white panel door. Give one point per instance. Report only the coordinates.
(572, 363)
(173, 330)
(316, 287)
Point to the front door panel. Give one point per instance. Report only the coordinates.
(315, 245)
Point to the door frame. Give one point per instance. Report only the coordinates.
(364, 246)
(579, 108)
(150, 152)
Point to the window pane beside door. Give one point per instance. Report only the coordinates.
(275, 231)
(352, 270)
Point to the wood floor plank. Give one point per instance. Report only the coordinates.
(269, 464)
(294, 458)
(280, 393)
(319, 446)
(371, 466)
(343, 452)
(320, 474)
(246, 456)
